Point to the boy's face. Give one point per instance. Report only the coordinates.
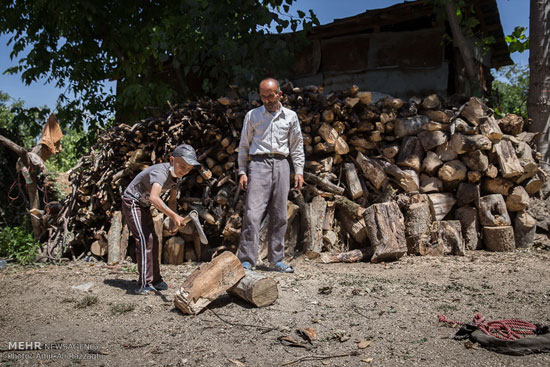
(181, 167)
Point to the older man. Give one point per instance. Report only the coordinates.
(271, 133)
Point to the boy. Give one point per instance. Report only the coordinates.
(144, 190)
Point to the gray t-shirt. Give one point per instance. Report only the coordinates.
(141, 185)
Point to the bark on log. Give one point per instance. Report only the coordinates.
(432, 139)
(452, 171)
(417, 226)
(492, 211)
(507, 159)
(489, 127)
(343, 257)
(113, 238)
(441, 204)
(256, 289)
(313, 231)
(158, 224)
(208, 282)
(173, 250)
(476, 161)
(447, 235)
(467, 193)
(499, 239)
(323, 184)
(497, 185)
(386, 232)
(468, 143)
(467, 215)
(517, 200)
(407, 180)
(352, 179)
(372, 170)
(525, 227)
(411, 153)
(410, 125)
(124, 239)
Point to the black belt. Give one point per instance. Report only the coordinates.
(269, 155)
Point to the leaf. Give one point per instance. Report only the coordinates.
(289, 341)
(363, 344)
(309, 334)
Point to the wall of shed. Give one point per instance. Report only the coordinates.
(402, 64)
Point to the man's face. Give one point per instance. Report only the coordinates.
(270, 97)
(181, 167)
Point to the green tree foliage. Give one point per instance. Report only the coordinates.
(211, 44)
(518, 40)
(18, 243)
(510, 90)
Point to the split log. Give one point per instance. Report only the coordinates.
(431, 102)
(256, 289)
(173, 251)
(417, 226)
(497, 185)
(452, 171)
(372, 170)
(517, 200)
(474, 177)
(476, 161)
(344, 257)
(492, 171)
(411, 153)
(489, 127)
(158, 224)
(435, 115)
(467, 193)
(124, 239)
(445, 152)
(446, 238)
(473, 110)
(441, 204)
(525, 227)
(499, 239)
(350, 216)
(113, 239)
(429, 184)
(467, 215)
(410, 125)
(534, 185)
(314, 215)
(354, 185)
(208, 282)
(492, 211)
(386, 232)
(462, 127)
(507, 159)
(431, 163)
(432, 139)
(99, 247)
(511, 124)
(525, 157)
(468, 143)
(323, 184)
(407, 180)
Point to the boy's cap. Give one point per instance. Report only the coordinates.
(188, 154)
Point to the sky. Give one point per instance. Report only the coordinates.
(512, 13)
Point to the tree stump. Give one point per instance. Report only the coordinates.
(208, 282)
(499, 239)
(386, 232)
(256, 289)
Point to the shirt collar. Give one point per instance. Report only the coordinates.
(280, 110)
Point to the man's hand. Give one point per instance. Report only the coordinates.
(298, 181)
(243, 182)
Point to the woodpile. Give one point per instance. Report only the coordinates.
(386, 176)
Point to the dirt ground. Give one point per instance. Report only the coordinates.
(391, 309)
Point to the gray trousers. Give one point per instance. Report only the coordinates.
(268, 186)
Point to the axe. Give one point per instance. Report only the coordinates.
(193, 216)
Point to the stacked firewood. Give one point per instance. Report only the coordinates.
(383, 176)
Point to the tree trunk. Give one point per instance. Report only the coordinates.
(538, 102)
(464, 48)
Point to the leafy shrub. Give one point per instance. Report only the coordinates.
(18, 243)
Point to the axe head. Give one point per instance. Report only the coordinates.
(194, 215)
